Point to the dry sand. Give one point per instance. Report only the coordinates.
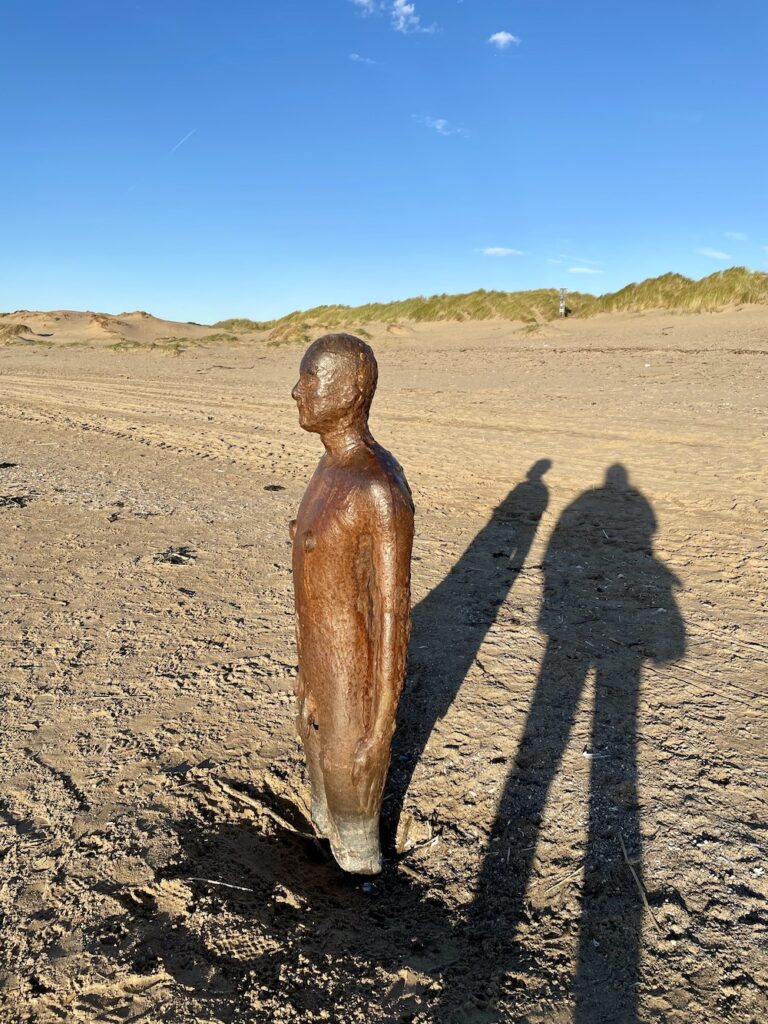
(588, 669)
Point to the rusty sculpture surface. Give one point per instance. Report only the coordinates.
(352, 542)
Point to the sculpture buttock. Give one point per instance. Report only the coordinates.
(352, 541)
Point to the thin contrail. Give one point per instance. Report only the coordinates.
(182, 141)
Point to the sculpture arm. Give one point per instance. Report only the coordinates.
(391, 540)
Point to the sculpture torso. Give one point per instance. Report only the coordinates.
(347, 510)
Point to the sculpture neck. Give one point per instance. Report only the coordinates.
(346, 439)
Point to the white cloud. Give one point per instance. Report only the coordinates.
(404, 16)
(550, 260)
(402, 12)
(358, 59)
(440, 125)
(713, 254)
(737, 236)
(583, 270)
(503, 40)
(499, 250)
(405, 19)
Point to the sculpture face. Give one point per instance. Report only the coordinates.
(327, 391)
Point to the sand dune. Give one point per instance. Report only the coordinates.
(70, 327)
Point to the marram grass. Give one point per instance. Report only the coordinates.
(734, 287)
(672, 292)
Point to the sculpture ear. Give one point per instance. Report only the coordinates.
(360, 375)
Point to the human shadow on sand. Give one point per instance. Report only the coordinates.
(609, 606)
(450, 624)
(255, 921)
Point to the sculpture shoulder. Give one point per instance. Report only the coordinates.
(382, 487)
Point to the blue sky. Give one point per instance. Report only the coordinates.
(249, 157)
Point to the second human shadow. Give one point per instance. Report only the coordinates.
(608, 609)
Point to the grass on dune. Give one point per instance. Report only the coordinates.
(734, 287)
(241, 324)
(479, 305)
(530, 307)
(673, 292)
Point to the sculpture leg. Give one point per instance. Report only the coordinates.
(306, 727)
(346, 790)
(320, 816)
(346, 803)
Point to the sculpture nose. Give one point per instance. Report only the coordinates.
(295, 392)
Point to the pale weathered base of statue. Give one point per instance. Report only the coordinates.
(354, 837)
(355, 843)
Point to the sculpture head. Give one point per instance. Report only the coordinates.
(337, 381)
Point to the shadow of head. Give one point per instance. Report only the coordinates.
(617, 477)
(538, 469)
(606, 593)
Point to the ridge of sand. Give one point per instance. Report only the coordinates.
(75, 327)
